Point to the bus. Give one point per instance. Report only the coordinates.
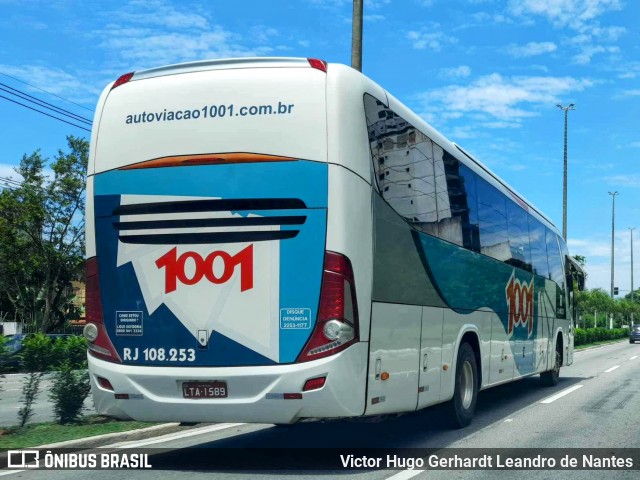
(279, 240)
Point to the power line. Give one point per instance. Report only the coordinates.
(10, 180)
(30, 98)
(44, 113)
(45, 91)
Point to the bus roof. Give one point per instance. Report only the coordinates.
(222, 64)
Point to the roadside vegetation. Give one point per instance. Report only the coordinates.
(590, 336)
(65, 358)
(48, 433)
(42, 238)
(597, 310)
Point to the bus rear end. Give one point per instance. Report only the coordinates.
(211, 295)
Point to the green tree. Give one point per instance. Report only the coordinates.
(596, 300)
(42, 235)
(636, 296)
(581, 259)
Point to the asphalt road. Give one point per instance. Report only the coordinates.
(11, 391)
(596, 404)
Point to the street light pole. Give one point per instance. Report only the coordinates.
(631, 229)
(613, 226)
(564, 178)
(356, 35)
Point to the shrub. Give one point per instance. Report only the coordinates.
(30, 390)
(75, 352)
(585, 336)
(69, 391)
(37, 353)
(36, 361)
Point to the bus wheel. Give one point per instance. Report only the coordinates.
(465, 395)
(550, 378)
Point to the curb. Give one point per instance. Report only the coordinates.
(128, 435)
(593, 347)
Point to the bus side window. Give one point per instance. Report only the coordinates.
(538, 243)
(556, 272)
(518, 222)
(492, 212)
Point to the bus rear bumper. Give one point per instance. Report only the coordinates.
(255, 394)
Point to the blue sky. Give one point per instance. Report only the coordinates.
(486, 73)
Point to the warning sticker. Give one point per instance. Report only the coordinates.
(129, 323)
(295, 318)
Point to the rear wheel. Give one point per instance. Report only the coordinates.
(465, 395)
(550, 378)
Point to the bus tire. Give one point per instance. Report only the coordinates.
(550, 378)
(465, 394)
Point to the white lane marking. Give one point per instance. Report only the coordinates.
(175, 436)
(11, 472)
(611, 369)
(405, 475)
(634, 357)
(508, 420)
(561, 394)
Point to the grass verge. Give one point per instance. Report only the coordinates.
(47, 433)
(602, 342)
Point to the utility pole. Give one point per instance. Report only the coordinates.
(356, 36)
(631, 229)
(564, 178)
(613, 226)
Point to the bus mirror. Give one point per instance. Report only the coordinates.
(580, 281)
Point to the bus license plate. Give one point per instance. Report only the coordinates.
(197, 390)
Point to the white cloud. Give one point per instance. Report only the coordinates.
(487, 18)
(576, 14)
(7, 171)
(635, 144)
(161, 14)
(148, 33)
(581, 16)
(375, 3)
(429, 39)
(631, 93)
(462, 71)
(501, 98)
(330, 3)
(628, 180)
(587, 52)
(517, 167)
(55, 80)
(531, 49)
(374, 18)
(597, 250)
(589, 247)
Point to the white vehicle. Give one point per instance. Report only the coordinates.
(276, 240)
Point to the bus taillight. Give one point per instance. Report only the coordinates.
(318, 64)
(337, 324)
(94, 331)
(122, 79)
